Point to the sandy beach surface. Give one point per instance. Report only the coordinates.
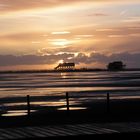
(119, 114)
(87, 99)
(124, 110)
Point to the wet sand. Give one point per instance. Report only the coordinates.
(121, 110)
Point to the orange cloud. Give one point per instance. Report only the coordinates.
(14, 5)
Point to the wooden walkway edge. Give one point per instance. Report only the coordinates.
(53, 131)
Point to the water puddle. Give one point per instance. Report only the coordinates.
(73, 108)
(16, 113)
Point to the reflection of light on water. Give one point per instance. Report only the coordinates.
(14, 104)
(16, 113)
(53, 103)
(125, 97)
(73, 108)
(48, 103)
(60, 91)
(64, 75)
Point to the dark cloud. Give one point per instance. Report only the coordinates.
(11, 60)
(131, 60)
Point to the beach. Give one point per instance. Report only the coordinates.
(121, 110)
(87, 95)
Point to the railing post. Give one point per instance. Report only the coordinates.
(67, 101)
(108, 103)
(28, 105)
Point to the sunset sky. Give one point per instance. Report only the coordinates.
(38, 34)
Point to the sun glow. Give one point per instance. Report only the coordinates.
(60, 33)
(60, 42)
(61, 61)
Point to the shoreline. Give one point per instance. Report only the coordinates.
(50, 108)
(59, 71)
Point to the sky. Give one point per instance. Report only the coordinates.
(39, 34)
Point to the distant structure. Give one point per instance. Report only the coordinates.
(65, 66)
(116, 66)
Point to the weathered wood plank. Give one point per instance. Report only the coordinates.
(67, 130)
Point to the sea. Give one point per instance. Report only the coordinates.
(50, 88)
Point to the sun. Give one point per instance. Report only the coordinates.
(61, 61)
(60, 42)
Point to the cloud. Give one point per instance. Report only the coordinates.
(22, 36)
(11, 60)
(98, 14)
(132, 19)
(130, 59)
(117, 36)
(60, 33)
(131, 45)
(14, 5)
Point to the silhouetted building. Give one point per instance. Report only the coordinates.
(65, 66)
(116, 66)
